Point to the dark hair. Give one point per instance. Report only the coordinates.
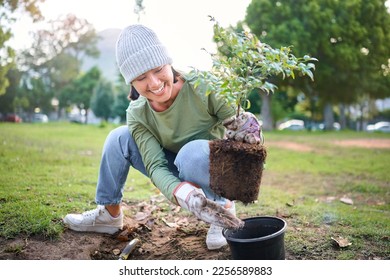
(133, 94)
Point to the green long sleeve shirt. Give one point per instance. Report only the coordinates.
(193, 115)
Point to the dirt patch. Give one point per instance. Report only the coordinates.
(365, 143)
(361, 143)
(164, 231)
(290, 146)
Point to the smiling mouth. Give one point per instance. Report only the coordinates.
(158, 90)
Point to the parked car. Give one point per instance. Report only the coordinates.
(76, 118)
(336, 126)
(379, 126)
(295, 125)
(40, 118)
(13, 118)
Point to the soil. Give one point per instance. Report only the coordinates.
(165, 231)
(231, 163)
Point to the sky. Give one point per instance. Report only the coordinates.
(182, 25)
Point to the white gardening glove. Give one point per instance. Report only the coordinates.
(194, 200)
(244, 128)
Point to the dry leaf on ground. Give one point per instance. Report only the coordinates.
(346, 200)
(342, 242)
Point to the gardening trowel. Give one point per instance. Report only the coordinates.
(128, 249)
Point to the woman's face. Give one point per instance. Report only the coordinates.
(156, 85)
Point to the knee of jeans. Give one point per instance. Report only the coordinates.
(194, 153)
(117, 139)
(118, 132)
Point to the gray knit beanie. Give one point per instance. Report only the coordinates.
(138, 50)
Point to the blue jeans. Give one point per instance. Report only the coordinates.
(120, 152)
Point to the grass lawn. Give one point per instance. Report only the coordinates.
(326, 188)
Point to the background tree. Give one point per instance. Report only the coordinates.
(7, 17)
(37, 94)
(103, 99)
(139, 8)
(350, 39)
(80, 90)
(57, 54)
(121, 100)
(11, 92)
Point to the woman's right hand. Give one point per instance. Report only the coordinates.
(193, 199)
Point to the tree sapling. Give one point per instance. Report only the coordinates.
(243, 64)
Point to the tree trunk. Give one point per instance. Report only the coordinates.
(361, 107)
(86, 115)
(266, 115)
(343, 118)
(328, 116)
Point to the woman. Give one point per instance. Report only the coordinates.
(166, 138)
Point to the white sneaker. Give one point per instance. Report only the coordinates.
(214, 239)
(96, 220)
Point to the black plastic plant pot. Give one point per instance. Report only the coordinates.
(261, 238)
